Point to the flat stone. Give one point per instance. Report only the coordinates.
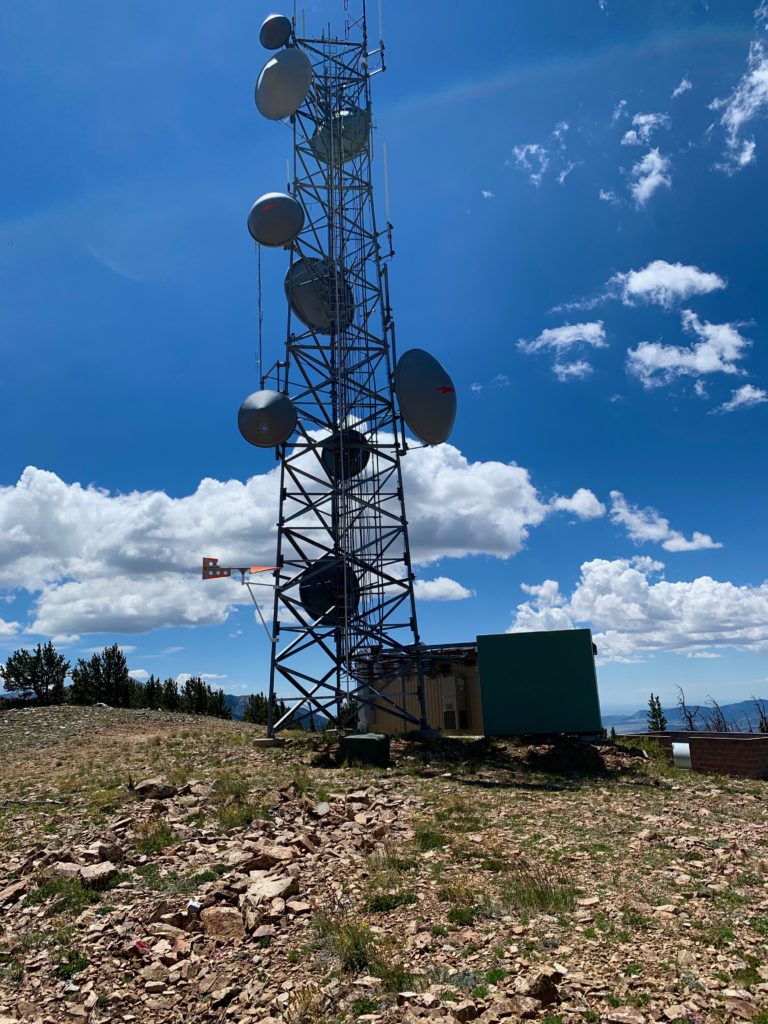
(155, 789)
(63, 870)
(104, 850)
(518, 1006)
(625, 1015)
(96, 876)
(269, 888)
(11, 894)
(223, 923)
(464, 1011)
(675, 1011)
(268, 856)
(743, 1008)
(539, 986)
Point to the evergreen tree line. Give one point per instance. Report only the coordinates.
(255, 710)
(38, 676)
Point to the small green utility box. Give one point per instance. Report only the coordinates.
(538, 683)
(365, 748)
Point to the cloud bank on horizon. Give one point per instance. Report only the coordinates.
(102, 563)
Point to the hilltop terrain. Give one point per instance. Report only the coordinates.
(158, 867)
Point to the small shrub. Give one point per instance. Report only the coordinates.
(383, 900)
(236, 815)
(537, 888)
(153, 837)
(230, 787)
(302, 780)
(364, 1005)
(71, 963)
(746, 976)
(68, 894)
(350, 941)
(495, 975)
(494, 864)
(393, 974)
(427, 837)
(462, 915)
(11, 968)
(719, 936)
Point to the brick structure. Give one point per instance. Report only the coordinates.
(721, 753)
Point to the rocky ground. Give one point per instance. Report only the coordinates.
(161, 868)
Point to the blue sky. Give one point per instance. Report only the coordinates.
(578, 193)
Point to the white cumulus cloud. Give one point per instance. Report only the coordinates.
(744, 397)
(632, 612)
(716, 350)
(582, 503)
(102, 563)
(560, 339)
(577, 370)
(663, 283)
(644, 125)
(684, 85)
(645, 524)
(748, 100)
(441, 589)
(648, 175)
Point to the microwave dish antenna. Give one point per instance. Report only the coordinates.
(344, 635)
(275, 31)
(283, 84)
(275, 220)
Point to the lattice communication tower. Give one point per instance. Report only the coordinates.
(344, 628)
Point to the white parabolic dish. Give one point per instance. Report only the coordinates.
(275, 31)
(267, 418)
(426, 396)
(283, 84)
(275, 219)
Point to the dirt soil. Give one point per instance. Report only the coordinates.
(159, 867)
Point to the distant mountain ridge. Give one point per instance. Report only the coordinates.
(237, 704)
(742, 714)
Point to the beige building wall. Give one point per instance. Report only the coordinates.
(453, 703)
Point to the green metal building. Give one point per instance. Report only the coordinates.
(538, 683)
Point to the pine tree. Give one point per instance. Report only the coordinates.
(657, 721)
(36, 675)
(171, 699)
(255, 710)
(153, 693)
(103, 678)
(217, 704)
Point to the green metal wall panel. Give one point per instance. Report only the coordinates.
(538, 682)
